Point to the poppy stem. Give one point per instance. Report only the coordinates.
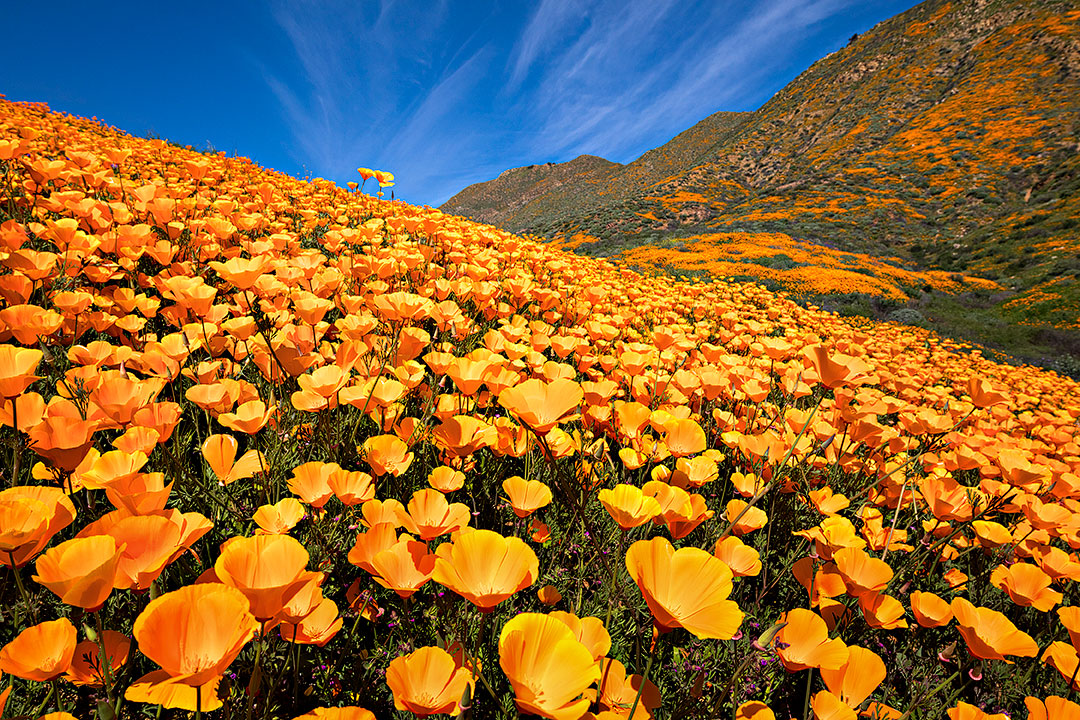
(644, 678)
(22, 588)
(806, 695)
(16, 455)
(103, 658)
(48, 697)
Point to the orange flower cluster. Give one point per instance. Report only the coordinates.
(247, 414)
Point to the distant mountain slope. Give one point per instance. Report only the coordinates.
(497, 201)
(522, 197)
(945, 136)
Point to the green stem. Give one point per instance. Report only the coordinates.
(806, 695)
(103, 659)
(931, 694)
(644, 678)
(45, 702)
(22, 588)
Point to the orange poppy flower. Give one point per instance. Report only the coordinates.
(139, 493)
(836, 369)
(616, 690)
(446, 479)
(195, 633)
(549, 595)
(930, 610)
(753, 518)
(547, 667)
(63, 440)
(41, 652)
(338, 713)
(804, 643)
(382, 511)
(387, 454)
(267, 569)
(853, 682)
(882, 611)
(81, 571)
(737, 555)
(379, 537)
(684, 437)
(967, 711)
(1070, 618)
(279, 518)
(113, 466)
(989, 634)
(686, 588)
(862, 573)
(589, 631)
(1052, 708)
(1064, 658)
(23, 520)
(150, 543)
(403, 567)
(249, 418)
(485, 568)
(430, 515)
(318, 627)
(17, 366)
(754, 710)
(86, 667)
(1027, 585)
(220, 453)
(541, 406)
(628, 505)
(428, 681)
(541, 533)
(526, 496)
(311, 482)
(826, 502)
(352, 487)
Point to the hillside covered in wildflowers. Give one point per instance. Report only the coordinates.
(942, 140)
(276, 449)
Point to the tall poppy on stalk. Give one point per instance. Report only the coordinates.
(430, 515)
(267, 569)
(81, 571)
(541, 406)
(485, 568)
(194, 634)
(526, 496)
(628, 505)
(548, 667)
(686, 588)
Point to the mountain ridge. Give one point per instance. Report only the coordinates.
(944, 137)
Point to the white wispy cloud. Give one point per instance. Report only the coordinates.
(445, 96)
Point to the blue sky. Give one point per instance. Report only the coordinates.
(443, 94)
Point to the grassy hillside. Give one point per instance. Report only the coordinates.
(943, 138)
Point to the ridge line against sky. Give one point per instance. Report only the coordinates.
(443, 94)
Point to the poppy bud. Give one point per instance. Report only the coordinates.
(91, 633)
(948, 653)
(765, 640)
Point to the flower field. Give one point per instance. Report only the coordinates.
(274, 449)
